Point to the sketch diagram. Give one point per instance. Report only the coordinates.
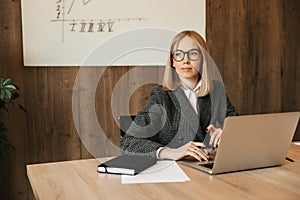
(64, 32)
(72, 3)
(63, 9)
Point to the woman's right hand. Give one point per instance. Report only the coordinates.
(189, 149)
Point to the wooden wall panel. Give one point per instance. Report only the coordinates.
(254, 45)
(226, 22)
(13, 179)
(103, 102)
(253, 42)
(49, 116)
(291, 55)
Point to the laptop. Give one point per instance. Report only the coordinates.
(251, 142)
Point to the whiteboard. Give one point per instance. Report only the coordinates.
(124, 32)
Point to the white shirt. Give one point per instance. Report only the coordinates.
(192, 95)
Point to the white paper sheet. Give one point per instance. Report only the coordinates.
(163, 171)
(296, 143)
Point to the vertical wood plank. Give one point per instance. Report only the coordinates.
(290, 69)
(106, 119)
(249, 45)
(13, 178)
(51, 128)
(226, 33)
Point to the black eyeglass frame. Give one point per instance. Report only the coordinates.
(187, 53)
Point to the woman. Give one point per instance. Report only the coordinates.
(187, 112)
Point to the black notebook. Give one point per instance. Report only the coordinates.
(127, 164)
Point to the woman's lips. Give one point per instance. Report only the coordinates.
(186, 69)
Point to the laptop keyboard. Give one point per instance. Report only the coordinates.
(207, 165)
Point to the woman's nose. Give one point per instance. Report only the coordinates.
(186, 59)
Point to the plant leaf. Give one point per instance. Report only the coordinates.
(7, 81)
(3, 137)
(7, 94)
(10, 87)
(2, 128)
(2, 93)
(7, 145)
(15, 95)
(5, 108)
(1, 81)
(21, 107)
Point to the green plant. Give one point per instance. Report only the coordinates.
(8, 95)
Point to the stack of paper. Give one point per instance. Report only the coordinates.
(296, 143)
(163, 171)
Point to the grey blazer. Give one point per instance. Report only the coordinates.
(168, 119)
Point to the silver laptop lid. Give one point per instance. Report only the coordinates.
(252, 141)
(255, 141)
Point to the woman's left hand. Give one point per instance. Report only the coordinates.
(215, 135)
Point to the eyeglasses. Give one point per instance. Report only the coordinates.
(193, 54)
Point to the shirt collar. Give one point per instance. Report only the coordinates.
(197, 88)
(188, 92)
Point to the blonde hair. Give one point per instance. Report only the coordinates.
(171, 80)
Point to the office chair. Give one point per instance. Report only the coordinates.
(124, 123)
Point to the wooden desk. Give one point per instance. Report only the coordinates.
(79, 180)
